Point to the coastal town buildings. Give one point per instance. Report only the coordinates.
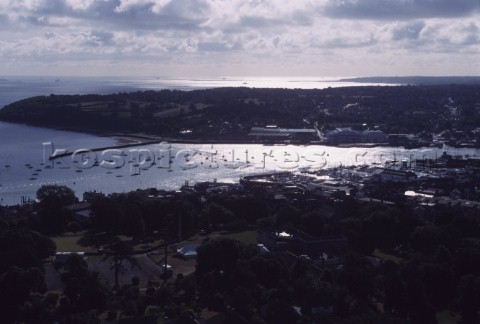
(275, 132)
(347, 135)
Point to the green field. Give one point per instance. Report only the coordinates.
(69, 243)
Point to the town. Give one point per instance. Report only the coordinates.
(408, 116)
(390, 243)
(240, 162)
(389, 238)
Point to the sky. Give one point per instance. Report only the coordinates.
(214, 38)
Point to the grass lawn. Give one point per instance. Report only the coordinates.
(247, 237)
(385, 256)
(69, 243)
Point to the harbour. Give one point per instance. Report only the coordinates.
(23, 171)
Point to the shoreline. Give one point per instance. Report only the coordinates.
(125, 140)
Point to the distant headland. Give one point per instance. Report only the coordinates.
(424, 114)
(416, 80)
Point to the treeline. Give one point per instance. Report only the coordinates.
(431, 259)
(436, 267)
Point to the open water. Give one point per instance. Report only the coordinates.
(24, 150)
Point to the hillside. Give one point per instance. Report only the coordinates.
(229, 113)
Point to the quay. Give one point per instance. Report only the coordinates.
(97, 149)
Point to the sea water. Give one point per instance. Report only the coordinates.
(25, 167)
(13, 88)
(24, 150)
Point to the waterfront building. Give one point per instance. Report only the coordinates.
(374, 136)
(273, 131)
(350, 136)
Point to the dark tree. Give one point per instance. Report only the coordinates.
(84, 289)
(117, 253)
(52, 200)
(313, 223)
(24, 248)
(16, 285)
(56, 195)
(106, 214)
(219, 254)
(469, 299)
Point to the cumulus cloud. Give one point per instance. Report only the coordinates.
(80, 5)
(254, 35)
(408, 31)
(149, 15)
(400, 9)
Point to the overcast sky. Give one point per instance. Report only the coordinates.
(206, 38)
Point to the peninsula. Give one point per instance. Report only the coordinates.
(414, 115)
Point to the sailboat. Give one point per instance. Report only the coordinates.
(6, 163)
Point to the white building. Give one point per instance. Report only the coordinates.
(374, 136)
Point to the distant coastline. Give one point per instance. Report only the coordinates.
(416, 80)
(15, 88)
(227, 115)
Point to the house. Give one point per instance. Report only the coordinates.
(79, 211)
